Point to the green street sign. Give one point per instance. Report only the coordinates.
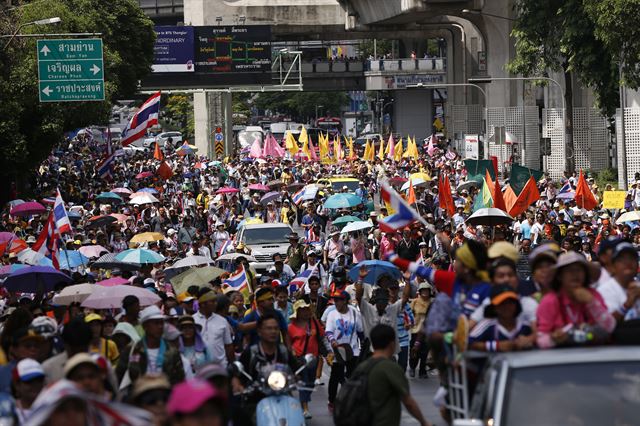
(70, 70)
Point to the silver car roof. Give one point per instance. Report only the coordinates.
(591, 354)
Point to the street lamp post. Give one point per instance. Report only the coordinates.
(317, 106)
(564, 106)
(469, 84)
(46, 21)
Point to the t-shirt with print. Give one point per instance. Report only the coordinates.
(344, 328)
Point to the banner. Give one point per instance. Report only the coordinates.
(614, 199)
(477, 169)
(173, 50)
(520, 175)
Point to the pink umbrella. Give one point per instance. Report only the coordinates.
(28, 208)
(111, 297)
(227, 190)
(121, 218)
(93, 251)
(259, 187)
(144, 175)
(112, 281)
(122, 191)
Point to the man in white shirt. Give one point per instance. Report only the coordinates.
(537, 231)
(216, 331)
(621, 292)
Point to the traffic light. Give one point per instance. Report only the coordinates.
(218, 129)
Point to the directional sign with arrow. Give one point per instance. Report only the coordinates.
(70, 70)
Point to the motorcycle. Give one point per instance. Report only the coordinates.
(276, 383)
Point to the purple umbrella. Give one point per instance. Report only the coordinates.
(269, 196)
(10, 269)
(33, 279)
(28, 208)
(259, 187)
(6, 236)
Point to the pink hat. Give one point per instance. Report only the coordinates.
(188, 396)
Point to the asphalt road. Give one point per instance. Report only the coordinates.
(422, 390)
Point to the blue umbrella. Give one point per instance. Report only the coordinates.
(74, 215)
(342, 201)
(375, 268)
(139, 256)
(33, 279)
(149, 190)
(110, 197)
(70, 259)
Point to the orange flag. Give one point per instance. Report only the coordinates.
(164, 171)
(528, 196)
(496, 192)
(510, 198)
(411, 197)
(157, 153)
(444, 195)
(584, 197)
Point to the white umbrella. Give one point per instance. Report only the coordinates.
(190, 261)
(144, 198)
(74, 294)
(356, 226)
(111, 297)
(467, 185)
(415, 182)
(628, 217)
(234, 256)
(489, 217)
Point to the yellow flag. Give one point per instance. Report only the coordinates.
(407, 152)
(367, 147)
(324, 148)
(304, 139)
(352, 153)
(337, 149)
(399, 151)
(291, 144)
(381, 150)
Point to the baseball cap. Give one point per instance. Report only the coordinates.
(190, 395)
(28, 369)
(92, 317)
(151, 313)
(78, 360)
(341, 295)
(212, 370)
(624, 247)
(148, 383)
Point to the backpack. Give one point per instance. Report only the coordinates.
(352, 406)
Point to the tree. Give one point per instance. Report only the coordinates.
(302, 105)
(178, 110)
(28, 128)
(559, 35)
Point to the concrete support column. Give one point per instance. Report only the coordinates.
(202, 124)
(227, 107)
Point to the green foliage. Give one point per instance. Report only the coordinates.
(301, 106)
(28, 128)
(177, 111)
(606, 177)
(382, 47)
(561, 35)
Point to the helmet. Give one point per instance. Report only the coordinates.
(44, 326)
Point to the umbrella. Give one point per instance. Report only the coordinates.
(109, 197)
(109, 261)
(227, 190)
(234, 256)
(16, 202)
(112, 282)
(415, 182)
(397, 181)
(73, 294)
(149, 190)
(356, 226)
(139, 256)
(74, 215)
(628, 217)
(197, 276)
(275, 183)
(143, 199)
(341, 201)
(27, 209)
(467, 185)
(489, 217)
(144, 175)
(121, 191)
(32, 257)
(146, 237)
(295, 186)
(269, 196)
(343, 220)
(250, 221)
(190, 261)
(10, 269)
(121, 218)
(421, 175)
(100, 221)
(104, 297)
(33, 279)
(94, 251)
(259, 187)
(70, 259)
(6, 236)
(375, 268)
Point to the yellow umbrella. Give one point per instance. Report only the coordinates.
(421, 175)
(196, 276)
(146, 237)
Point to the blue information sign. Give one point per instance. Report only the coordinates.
(173, 51)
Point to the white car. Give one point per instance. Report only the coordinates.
(163, 138)
(264, 240)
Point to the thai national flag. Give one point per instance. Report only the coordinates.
(297, 197)
(47, 243)
(147, 116)
(306, 193)
(404, 214)
(238, 282)
(566, 188)
(301, 280)
(225, 247)
(60, 214)
(105, 166)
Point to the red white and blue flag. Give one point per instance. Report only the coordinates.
(63, 224)
(47, 242)
(238, 282)
(301, 280)
(225, 247)
(147, 116)
(309, 192)
(404, 214)
(105, 166)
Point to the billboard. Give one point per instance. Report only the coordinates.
(174, 49)
(233, 49)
